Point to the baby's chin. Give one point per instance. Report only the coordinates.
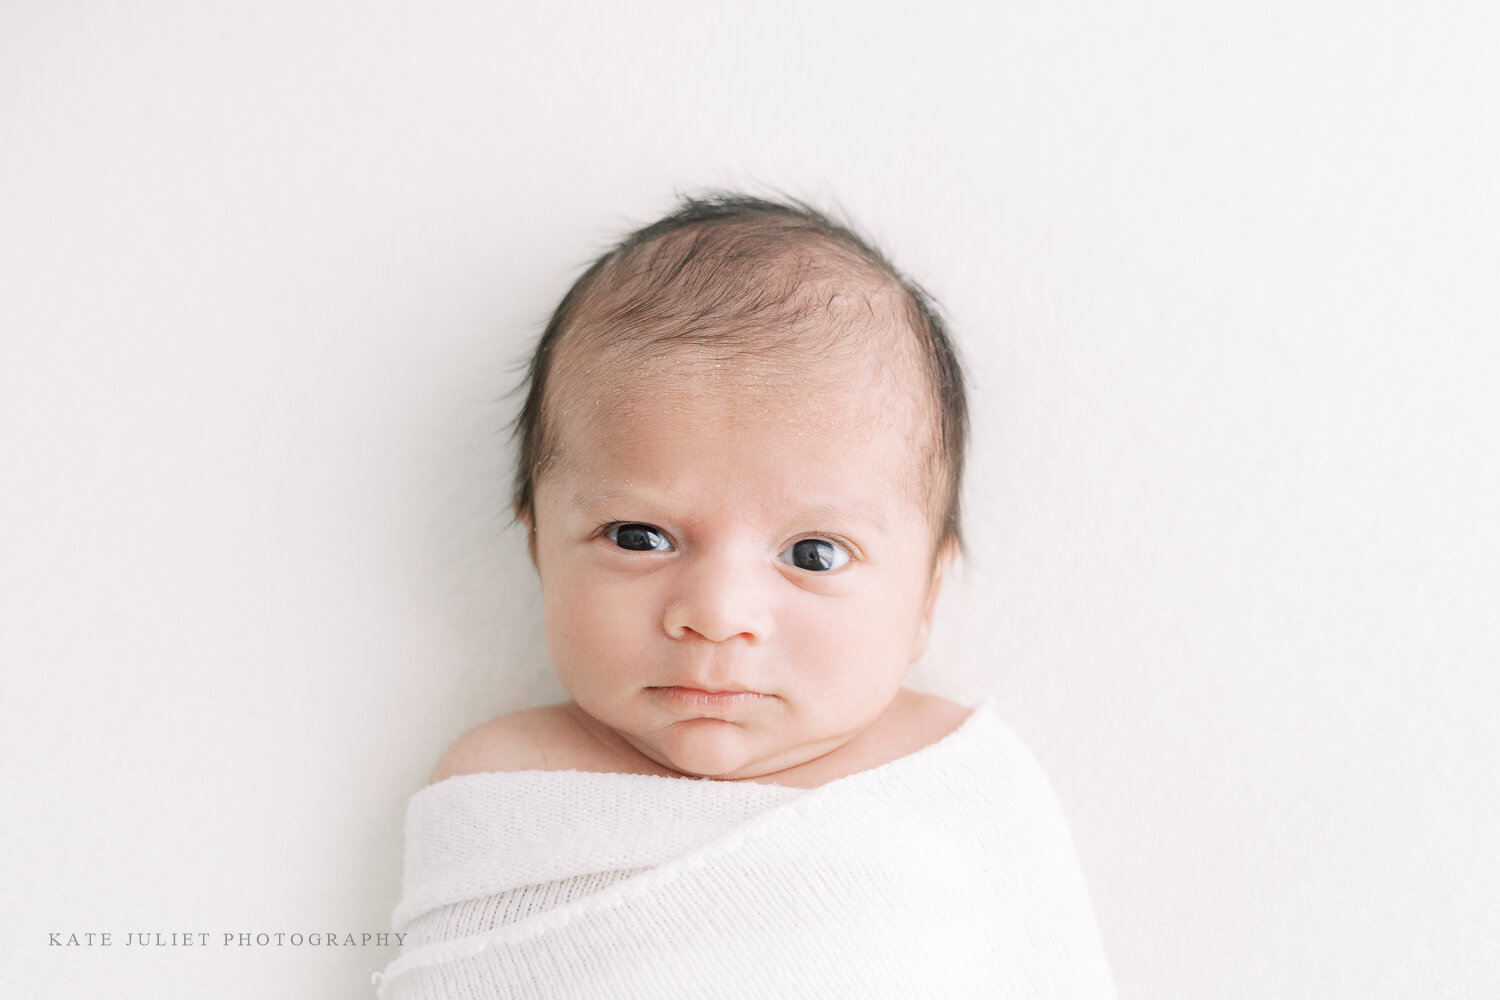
(714, 748)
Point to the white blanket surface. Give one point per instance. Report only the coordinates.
(945, 873)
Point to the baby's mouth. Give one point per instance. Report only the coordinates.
(694, 697)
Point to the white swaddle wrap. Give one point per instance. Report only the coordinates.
(945, 873)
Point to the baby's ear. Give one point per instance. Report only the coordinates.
(940, 563)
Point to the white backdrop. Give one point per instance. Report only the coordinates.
(1226, 277)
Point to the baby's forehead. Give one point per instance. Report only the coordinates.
(850, 370)
(782, 403)
(741, 426)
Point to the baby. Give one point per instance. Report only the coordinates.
(740, 463)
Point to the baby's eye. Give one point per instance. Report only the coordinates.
(638, 537)
(816, 554)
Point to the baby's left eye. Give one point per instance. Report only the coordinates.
(816, 554)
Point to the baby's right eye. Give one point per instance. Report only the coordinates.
(637, 537)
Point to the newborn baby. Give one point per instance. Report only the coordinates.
(740, 465)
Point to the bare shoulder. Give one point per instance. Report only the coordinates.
(536, 739)
(913, 722)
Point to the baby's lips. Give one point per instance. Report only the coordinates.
(687, 696)
(712, 688)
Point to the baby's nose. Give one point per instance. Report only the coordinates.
(720, 598)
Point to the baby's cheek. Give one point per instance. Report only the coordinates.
(594, 628)
(876, 633)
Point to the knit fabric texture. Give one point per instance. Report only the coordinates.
(948, 872)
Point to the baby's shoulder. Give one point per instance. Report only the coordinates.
(917, 720)
(535, 739)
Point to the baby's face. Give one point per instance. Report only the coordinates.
(735, 582)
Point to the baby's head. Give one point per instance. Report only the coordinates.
(741, 451)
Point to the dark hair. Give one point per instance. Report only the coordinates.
(730, 260)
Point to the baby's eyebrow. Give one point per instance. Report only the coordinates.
(874, 518)
(600, 495)
(811, 514)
